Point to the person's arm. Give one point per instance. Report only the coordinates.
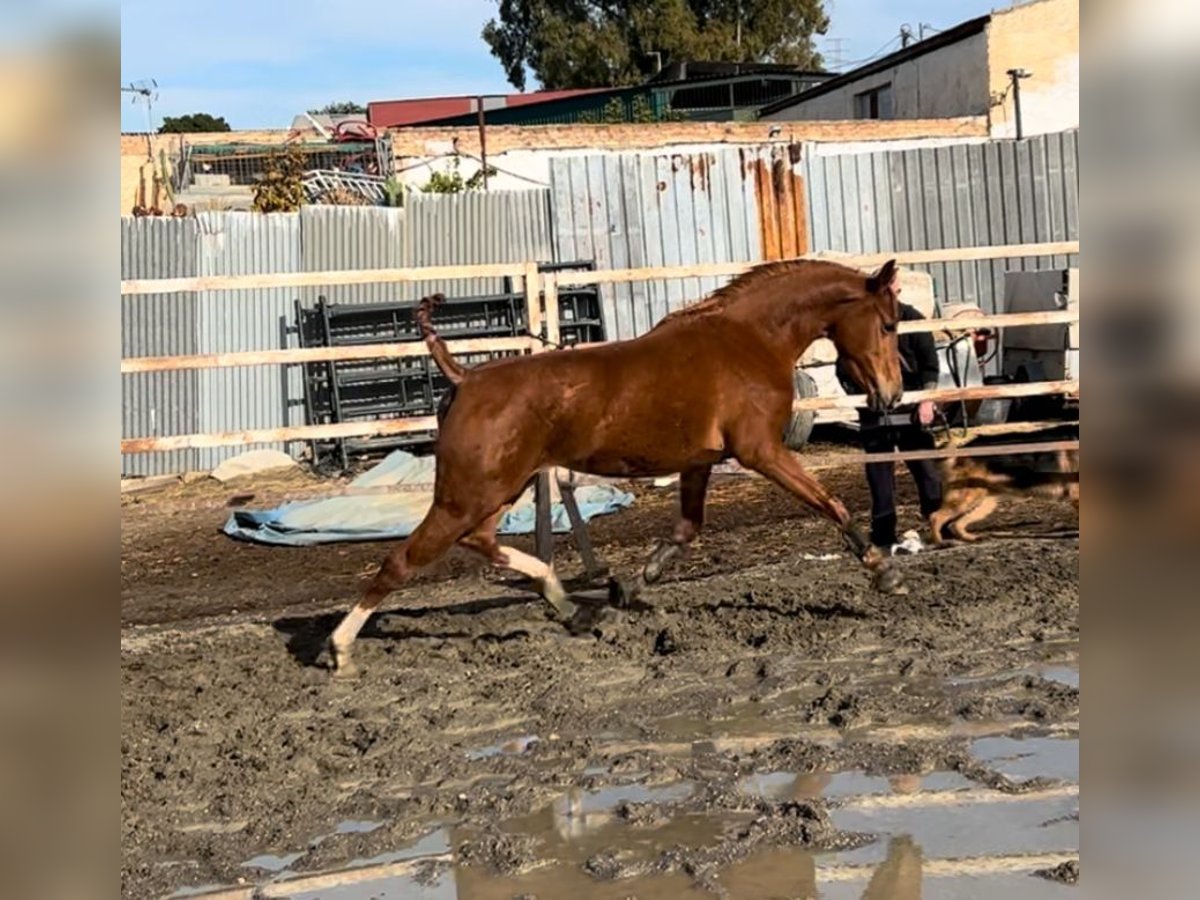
(928, 367)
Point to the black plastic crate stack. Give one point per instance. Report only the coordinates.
(375, 389)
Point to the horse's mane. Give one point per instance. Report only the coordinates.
(724, 297)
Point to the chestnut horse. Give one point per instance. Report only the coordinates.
(710, 382)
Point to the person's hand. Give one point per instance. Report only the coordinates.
(925, 412)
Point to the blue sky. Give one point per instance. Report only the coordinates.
(258, 64)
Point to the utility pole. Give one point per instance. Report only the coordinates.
(1016, 75)
(837, 54)
(482, 143)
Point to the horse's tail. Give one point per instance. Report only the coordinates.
(451, 368)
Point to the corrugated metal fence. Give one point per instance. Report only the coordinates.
(967, 194)
(441, 230)
(622, 210)
(634, 210)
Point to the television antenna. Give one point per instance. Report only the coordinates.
(144, 91)
(836, 59)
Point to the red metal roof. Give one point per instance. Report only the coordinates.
(394, 113)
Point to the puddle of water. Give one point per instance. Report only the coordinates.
(807, 785)
(882, 884)
(607, 798)
(356, 826)
(1061, 674)
(195, 891)
(511, 747)
(269, 862)
(1007, 826)
(433, 844)
(1024, 758)
(406, 887)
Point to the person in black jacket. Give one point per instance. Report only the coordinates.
(905, 428)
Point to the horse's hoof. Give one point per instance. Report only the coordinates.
(599, 573)
(622, 595)
(340, 664)
(585, 619)
(888, 581)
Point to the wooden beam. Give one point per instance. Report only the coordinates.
(1001, 320)
(608, 276)
(298, 355)
(911, 257)
(279, 435)
(316, 279)
(833, 460)
(986, 392)
(429, 423)
(533, 302)
(553, 334)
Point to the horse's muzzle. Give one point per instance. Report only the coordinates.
(882, 400)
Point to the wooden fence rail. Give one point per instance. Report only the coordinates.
(603, 276)
(429, 423)
(541, 290)
(299, 355)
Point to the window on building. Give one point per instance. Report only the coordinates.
(875, 103)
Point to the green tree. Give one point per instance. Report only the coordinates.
(344, 108)
(639, 110)
(193, 123)
(613, 43)
(452, 182)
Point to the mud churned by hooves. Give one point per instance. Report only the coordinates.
(889, 581)
(1065, 873)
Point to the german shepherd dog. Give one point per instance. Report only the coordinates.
(972, 485)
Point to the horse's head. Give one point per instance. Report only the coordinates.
(864, 331)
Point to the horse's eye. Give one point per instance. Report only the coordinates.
(889, 328)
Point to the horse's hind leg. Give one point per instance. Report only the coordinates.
(693, 487)
(482, 540)
(777, 463)
(432, 538)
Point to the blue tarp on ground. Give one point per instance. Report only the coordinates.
(393, 515)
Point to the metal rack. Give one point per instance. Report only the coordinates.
(376, 389)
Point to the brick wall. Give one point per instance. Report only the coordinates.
(1041, 37)
(424, 142)
(503, 138)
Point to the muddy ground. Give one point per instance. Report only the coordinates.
(769, 726)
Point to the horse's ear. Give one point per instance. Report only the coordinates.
(882, 278)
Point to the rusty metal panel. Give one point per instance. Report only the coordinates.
(709, 205)
(156, 404)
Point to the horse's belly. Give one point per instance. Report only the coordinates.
(643, 466)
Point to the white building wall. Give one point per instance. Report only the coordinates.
(947, 82)
(521, 170)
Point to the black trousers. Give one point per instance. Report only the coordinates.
(881, 477)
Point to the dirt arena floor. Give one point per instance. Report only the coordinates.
(768, 727)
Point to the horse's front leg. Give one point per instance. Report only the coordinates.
(776, 462)
(693, 488)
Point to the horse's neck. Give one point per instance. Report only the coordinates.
(787, 328)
